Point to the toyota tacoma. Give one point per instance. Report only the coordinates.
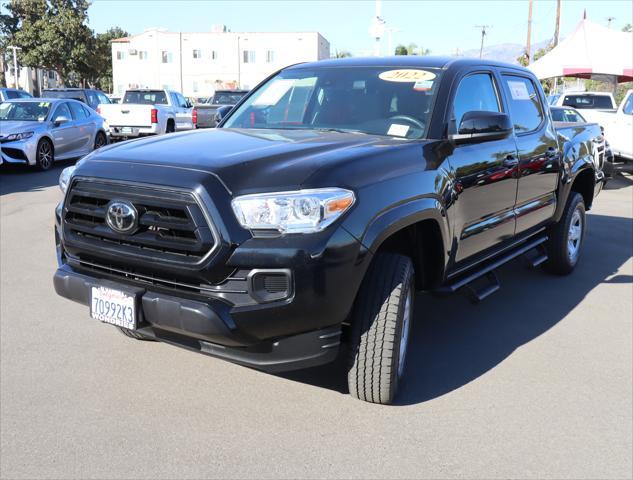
(323, 201)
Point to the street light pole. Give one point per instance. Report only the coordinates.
(15, 64)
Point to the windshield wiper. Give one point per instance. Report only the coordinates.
(339, 130)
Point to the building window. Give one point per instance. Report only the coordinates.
(167, 57)
(195, 87)
(270, 56)
(51, 75)
(214, 55)
(142, 55)
(197, 54)
(119, 89)
(249, 56)
(120, 55)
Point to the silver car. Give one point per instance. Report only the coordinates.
(39, 131)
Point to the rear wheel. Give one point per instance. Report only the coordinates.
(45, 154)
(171, 128)
(566, 237)
(132, 334)
(100, 140)
(380, 329)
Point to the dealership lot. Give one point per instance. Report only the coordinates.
(537, 379)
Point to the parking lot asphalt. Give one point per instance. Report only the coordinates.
(535, 382)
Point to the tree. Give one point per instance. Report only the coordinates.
(8, 27)
(401, 50)
(53, 35)
(100, 72)
(342, 54)
(627, 28)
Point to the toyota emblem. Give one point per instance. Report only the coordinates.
(121, 217)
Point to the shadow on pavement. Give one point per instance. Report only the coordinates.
(20, 178)
(623, 177)
(454, 342)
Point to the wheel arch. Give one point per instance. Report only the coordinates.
(418, 229)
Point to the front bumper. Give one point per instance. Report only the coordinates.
(193, 325)
(21, 152)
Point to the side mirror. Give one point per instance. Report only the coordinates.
(221, 112)
(479, 126)
(61, 120)
(189, 104)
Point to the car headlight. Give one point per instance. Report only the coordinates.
(65, 176)
(301, 211)
(17, 136)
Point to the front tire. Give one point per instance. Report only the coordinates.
(381, 325)
(566, 237)
(45, 155)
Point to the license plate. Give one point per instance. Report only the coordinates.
(113, 306)
(126, 130)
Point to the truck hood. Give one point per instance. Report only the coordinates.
(249, 159)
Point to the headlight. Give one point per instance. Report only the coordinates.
(301, 211)
(65, 176)
(17, 136)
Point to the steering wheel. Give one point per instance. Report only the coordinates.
(417, 123)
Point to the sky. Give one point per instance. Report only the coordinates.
(441, 26)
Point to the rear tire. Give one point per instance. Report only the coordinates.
(566, 237)
(45, 155)
(132, 334)
(100, 140)
(170, 128)
(380, 329)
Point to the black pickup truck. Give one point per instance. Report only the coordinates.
(329, 195)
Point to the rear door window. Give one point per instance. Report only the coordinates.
(525, 105)
(78, 111)
(12, 94)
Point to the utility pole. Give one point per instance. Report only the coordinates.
(15, 64)
(483, 35)
(557, 29)
(529, 35)
(609, 20)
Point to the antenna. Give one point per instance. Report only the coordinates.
(483, 35)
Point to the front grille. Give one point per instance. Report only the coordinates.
(172, 227)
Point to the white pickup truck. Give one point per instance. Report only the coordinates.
(618, 126)
(148, 112)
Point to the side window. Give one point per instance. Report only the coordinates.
(87, 111)
(62, 111)
(24, 95)
(12, 94)
(93, 101)
(102, 98)
(77, 110)
(475, 93)
(525, 105)
(628, 106)
(181, 100)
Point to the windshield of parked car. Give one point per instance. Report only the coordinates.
(72, 94)
(24, 111)
(226, 98)
(588, 101)
(145, 97)
(390, 101)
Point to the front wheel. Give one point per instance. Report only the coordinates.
(566, 237)
(45, 154)
(380, 329)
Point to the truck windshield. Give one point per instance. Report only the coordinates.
(588, 101)
(72, 94)
(388, 101)
(226, 98)
(145, 97)
(24, 111)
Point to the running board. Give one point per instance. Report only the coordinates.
(484, 282)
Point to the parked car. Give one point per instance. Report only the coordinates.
(114, 98)
(145, 112)
(222, 98)
(618, 127)
(11, 93)
(586, 100)
(320, 204)
(89, 96)
(39, 131)
(564, 116)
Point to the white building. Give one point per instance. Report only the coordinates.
(199, 63)
(30, 79)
